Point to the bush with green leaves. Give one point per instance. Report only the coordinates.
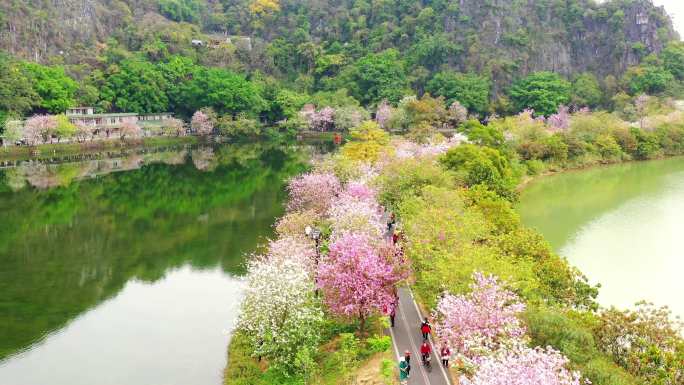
(482, 166)
(541, 91)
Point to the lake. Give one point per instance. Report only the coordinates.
(622, 225)
(126, 269)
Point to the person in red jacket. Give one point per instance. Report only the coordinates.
(425, 328)
(445, 354)
(425, 351)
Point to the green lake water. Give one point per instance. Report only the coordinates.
(623, 226)
(126, 270)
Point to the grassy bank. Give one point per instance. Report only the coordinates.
(343, 358)
(55, 150)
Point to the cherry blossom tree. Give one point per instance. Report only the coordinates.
(83, 131)
(559, 121)
(525, 367)
(457, 113)
(383, 114)
(129, 128)
(297, 248)
(39, 128)
(359, 190)
(280, 315)
(481, 322)
(201, 123)
(313, 191)
(173, 126)
(357, 215)
(356, 279)
(324, 119)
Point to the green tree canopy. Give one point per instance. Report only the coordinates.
(586, 91)
(17, 96)
(57, 91)
(136, 85)
(648, 79)
(376, 77)
(541, 91)
(673, 59)
(471, 90)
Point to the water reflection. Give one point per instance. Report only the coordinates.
(73, 235)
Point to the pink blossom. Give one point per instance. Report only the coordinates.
(299, 249)
(313, 191)
(39, 128)
(481, 322)
(130, 128)
(356, 279)
(356, 215)
(201, 123)
(524, 367)
(359, 190)
(559, 121)
(383, 114)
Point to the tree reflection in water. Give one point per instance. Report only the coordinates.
(72, 235)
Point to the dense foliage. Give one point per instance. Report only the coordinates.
(261, 61)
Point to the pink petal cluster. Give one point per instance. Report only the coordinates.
(321, 120)
(404, 149)
(130, 128)
(559, 121)
(39, 128)
(481, 322)
(525, 367)
(313, 191)
(359, 190)
(383, 114)
(201, 123)
(300, 249)
(350, 214)
(355, 279)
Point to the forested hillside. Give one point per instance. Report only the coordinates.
(246, 52)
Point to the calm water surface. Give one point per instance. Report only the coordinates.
(623, 226)
(126, 270)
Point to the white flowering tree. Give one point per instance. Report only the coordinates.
(280, 314)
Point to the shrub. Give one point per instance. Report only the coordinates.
(377, 344)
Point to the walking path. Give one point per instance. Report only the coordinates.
(406, 336)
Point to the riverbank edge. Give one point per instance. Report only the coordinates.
(51, 150)
(527, 180)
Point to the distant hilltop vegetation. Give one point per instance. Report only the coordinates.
(502, 38)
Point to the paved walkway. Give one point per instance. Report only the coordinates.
(406, 336)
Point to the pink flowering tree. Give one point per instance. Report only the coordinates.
(202, 123)
(83, 131)
(359, 215)
(559, 121)
(39, 128)
(525, 367)
(323, 119)
(297, 248)
(130, 129)
(314, 191)
(356, 279)
(383, 114)
(481, 322)
(457, 114)
(359, 190)
(173, 126)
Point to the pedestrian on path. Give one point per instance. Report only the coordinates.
(391, 311)
(425, 328)
(425, 351)
(407, 357)
(445, 353)
(403, 371)
(391, 222)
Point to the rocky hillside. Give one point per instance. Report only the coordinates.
(502, 37)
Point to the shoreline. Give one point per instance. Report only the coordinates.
(530, 179)
(52, 150)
